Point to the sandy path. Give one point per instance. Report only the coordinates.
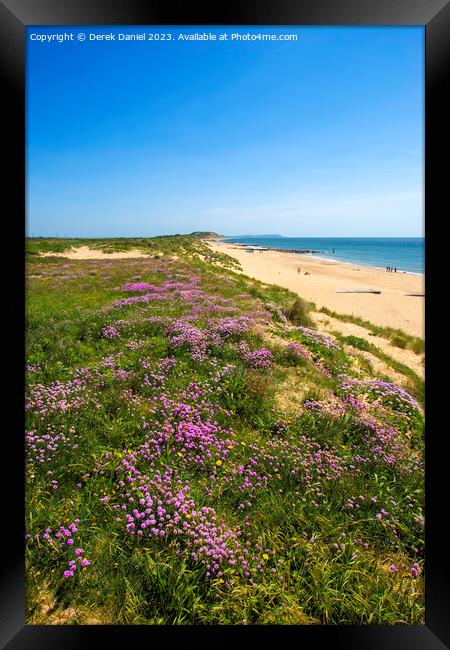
(391, 308)
(86, 253)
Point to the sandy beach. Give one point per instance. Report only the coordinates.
(390, 308)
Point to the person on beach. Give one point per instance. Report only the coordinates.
(298, 270)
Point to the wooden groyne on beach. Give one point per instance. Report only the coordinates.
(302, 251)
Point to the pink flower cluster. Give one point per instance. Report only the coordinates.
(43, 447)
(260, 359)
(158, 505)
(227, 327)
(110, 332)
(64, 537)
(181, 333)
(321, 406)
(59, 397)
(140, 287)
(299, 350)
(383, 391)
(132, 300)
(32, 368)
(316, 337)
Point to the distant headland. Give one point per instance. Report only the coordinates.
(200, 234)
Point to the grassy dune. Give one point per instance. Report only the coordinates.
(196, 453)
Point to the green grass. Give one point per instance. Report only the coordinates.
(397, 337)
(41, 245)
(310, 543)
(297, 313)
(184, 246)
(416, 384)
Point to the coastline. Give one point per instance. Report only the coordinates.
(390, 308)
(369, 266)
(316, 254)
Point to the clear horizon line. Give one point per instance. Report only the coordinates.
(331, 236)
(58, 236)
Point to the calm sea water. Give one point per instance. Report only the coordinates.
(405, 253)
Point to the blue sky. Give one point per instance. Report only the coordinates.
(323, 136)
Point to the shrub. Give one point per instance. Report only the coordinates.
(356, 342)
(399, 342)
(297, 313)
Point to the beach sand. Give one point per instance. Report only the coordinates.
(390, 308)
(86, 253)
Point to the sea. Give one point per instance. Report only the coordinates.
(403, 253)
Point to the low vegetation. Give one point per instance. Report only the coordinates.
(198, 453)
(297, 313)
(397, 337)
(416, 384)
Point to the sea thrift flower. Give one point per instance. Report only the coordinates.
(316, 337)
(415, 570)
(298, 350)
(182, 445)
(140, 286)
(110, 332)
(383, 391)
(181, 333)
(261, 358)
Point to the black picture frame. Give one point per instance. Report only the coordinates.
(15, 15)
